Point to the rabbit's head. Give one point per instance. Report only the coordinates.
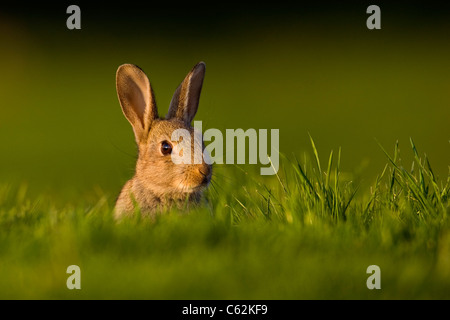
(156, 170)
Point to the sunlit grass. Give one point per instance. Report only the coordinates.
(308, 232)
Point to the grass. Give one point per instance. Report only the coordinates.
(308, 232)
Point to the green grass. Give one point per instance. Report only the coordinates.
(308, 232)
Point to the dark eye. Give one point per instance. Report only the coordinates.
(166, 148)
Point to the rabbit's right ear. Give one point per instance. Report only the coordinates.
(136, 99)
(185, 100)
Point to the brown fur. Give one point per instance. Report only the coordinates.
(158, 182)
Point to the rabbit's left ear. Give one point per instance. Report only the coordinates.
(185, 100)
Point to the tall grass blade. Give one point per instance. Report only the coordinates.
(303, 176)
(421, 178)
(330, 161)
(316, 155)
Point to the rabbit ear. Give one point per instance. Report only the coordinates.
(136, 99)
(185, 100)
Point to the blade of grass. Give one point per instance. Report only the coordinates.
(336, 183)
(330, 161)
(302, 174)
(316, 155)
(416, 156)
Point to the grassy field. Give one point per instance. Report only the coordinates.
(308, 233)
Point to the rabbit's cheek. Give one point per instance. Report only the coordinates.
(185, 181)
(181, 184)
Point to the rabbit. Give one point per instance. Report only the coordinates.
(159, 183)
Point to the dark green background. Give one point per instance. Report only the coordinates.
(299, 68)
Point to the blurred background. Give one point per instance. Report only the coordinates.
(299, 68)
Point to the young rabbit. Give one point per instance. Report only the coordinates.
(159, 182)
